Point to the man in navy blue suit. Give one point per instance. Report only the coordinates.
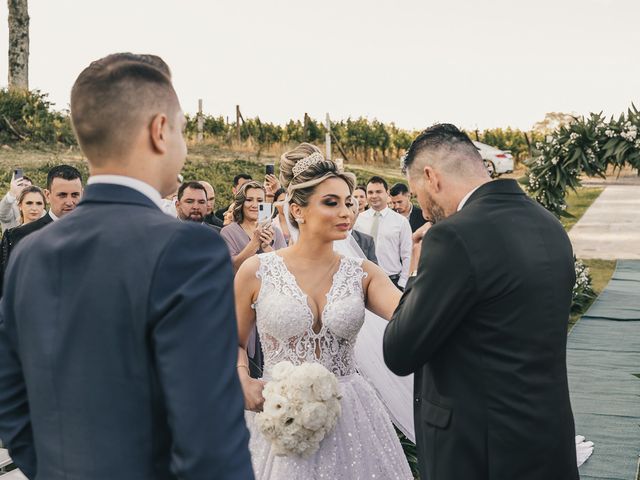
(118, 339)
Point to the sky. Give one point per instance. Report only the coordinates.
(474, 63)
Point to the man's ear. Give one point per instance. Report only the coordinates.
(158, 132)
(431, 177)
(47, 196)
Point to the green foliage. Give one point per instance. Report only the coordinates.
(27, 117)
(586, 146)
(411, 452)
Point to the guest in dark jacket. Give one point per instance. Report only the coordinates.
(401, 203)
(64, 189)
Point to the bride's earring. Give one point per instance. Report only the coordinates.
(299, 220)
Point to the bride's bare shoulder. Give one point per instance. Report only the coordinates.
(247, 271)
(371, 268)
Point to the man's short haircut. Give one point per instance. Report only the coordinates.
(241, 176)
(191, 185)
(27, 179)
(116, 96)
(377, 179)
(65, 172)
(452, 146)
(399, 189)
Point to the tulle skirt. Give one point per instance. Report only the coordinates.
(363, 444)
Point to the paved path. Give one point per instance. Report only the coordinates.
(610, 228)
(603, 364)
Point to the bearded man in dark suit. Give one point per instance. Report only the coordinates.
(483, 323)
(124, 365)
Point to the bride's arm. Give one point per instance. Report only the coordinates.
(246, 286)
(382, 296)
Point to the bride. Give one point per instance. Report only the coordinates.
(309, 304)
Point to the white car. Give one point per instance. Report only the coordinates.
(497, 161)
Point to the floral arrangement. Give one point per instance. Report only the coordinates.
(301, 405)
(583, 293)
(587, 145)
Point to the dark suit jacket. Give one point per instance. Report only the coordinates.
(484, 327)
(12, 236)
(118, 348)
(416, 220)
(211, 219)
(367, 244)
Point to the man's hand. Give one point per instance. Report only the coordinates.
(417, 237)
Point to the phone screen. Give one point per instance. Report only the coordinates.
(265, 211)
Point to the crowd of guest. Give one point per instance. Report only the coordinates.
(384, 218)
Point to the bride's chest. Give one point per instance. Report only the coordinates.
(283, 315)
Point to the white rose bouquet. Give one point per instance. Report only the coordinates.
(301, 405)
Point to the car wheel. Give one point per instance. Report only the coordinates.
(491, 168)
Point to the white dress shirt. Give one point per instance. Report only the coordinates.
(466, 197)
(393, 245)
(138, 185)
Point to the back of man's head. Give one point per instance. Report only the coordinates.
(116, 96)
(65, 172)
(446, 147)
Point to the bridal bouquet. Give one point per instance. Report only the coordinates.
(301, 405)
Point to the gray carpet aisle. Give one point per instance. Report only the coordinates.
(603, 359)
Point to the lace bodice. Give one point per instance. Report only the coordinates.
(285, 320)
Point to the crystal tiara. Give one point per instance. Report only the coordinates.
(306, 162)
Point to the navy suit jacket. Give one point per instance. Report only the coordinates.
(118, 348)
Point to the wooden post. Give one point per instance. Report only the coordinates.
(238, 123)
(340, 149)
(327, 137)
(18, 44)
(306, 127)
(200, 136)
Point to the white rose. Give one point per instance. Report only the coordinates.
(313, 415)
(282, 370)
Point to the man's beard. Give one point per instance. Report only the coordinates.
(195, 217)
(434, 211)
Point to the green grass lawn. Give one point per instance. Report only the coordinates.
(577, 204)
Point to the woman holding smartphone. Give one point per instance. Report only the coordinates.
(246, 236)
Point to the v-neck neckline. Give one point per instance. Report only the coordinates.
(327, 296)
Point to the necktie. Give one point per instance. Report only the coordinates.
(374, 225)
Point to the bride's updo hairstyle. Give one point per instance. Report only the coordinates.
(302, 169)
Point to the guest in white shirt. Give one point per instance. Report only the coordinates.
(390, 230)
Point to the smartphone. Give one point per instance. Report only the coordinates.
(265, 212)
(269, 169)
(18, 174)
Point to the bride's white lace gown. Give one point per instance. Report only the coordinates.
(363, 444)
